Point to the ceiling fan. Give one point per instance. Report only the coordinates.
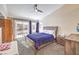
(37, 9)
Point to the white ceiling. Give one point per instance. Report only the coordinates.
(27, 10)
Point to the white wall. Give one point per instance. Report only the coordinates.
(3, 9)
(66, 18)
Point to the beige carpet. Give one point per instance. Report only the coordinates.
(52, 49)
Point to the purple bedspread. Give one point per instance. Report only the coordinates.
(40, 38)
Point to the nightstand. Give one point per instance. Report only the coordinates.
(60, 40)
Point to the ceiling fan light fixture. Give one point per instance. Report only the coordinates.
(36, 9)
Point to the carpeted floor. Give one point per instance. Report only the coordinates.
(52, 49)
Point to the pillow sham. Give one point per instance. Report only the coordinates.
(50, 32)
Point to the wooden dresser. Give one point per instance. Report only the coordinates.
(72, 44)
(6, 25)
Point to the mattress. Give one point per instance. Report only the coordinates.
(40, 38)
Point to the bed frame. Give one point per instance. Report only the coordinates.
(52, 28)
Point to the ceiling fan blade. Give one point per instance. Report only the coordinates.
(39, 10)
(36, 9)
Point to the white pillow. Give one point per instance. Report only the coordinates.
(50, 32)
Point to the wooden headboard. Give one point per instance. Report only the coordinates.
(55, 28)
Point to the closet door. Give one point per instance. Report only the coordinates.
(7, 30)
(6, 25)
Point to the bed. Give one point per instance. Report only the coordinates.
(42, 39)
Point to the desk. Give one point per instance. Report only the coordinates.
(72, 44)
